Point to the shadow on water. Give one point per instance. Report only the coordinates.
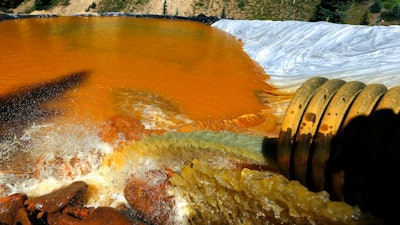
(21, 108)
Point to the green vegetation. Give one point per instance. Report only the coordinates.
(242, 4)
(390, 4)
(91, 6)
(392, 15)
(334, 11)
(6, 5)
(275, 9)
(112, 5)
(365, 12)
(386, 11)
(65, 3)
(364, 18)
(223, 13)
(45, 4)
(390, 10)
(376, 7)
(165, 7)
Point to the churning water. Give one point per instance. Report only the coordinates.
(62, 78)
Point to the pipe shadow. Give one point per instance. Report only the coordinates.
(367, 153)
(21, 108)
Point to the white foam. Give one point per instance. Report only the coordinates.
(64, 153)
(154, 117)
(181, 209)
(60, 153)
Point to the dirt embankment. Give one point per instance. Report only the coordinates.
(185, 8)
(74, 6)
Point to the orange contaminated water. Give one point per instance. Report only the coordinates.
(202, 70)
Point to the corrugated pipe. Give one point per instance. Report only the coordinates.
(344, 138)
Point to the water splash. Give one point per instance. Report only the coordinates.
(27, 105)
(50, 153)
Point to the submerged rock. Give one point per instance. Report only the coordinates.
(98, 216)
(149, 197)
(124, 129)
(64, 206)
(119, 129)
(9, 207)
(73, 194)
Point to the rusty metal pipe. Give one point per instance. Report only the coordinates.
(344, 138)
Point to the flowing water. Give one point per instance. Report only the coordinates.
(62, 78)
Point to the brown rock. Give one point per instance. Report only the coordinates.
(64, 206)
(122, 129)
(9, 207)
(149, 197)
(56, 201)
(22, 217)
(89, 216)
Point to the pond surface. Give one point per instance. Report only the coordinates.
(131, 64)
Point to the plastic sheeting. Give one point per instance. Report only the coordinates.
(293, 51)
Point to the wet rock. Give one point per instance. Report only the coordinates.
(89, 216)
(9, 207)
(22, 217)
(148, 195)
(151, 194)
(122, 129)
(64, 206)
(25, 217)
(73, 194)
